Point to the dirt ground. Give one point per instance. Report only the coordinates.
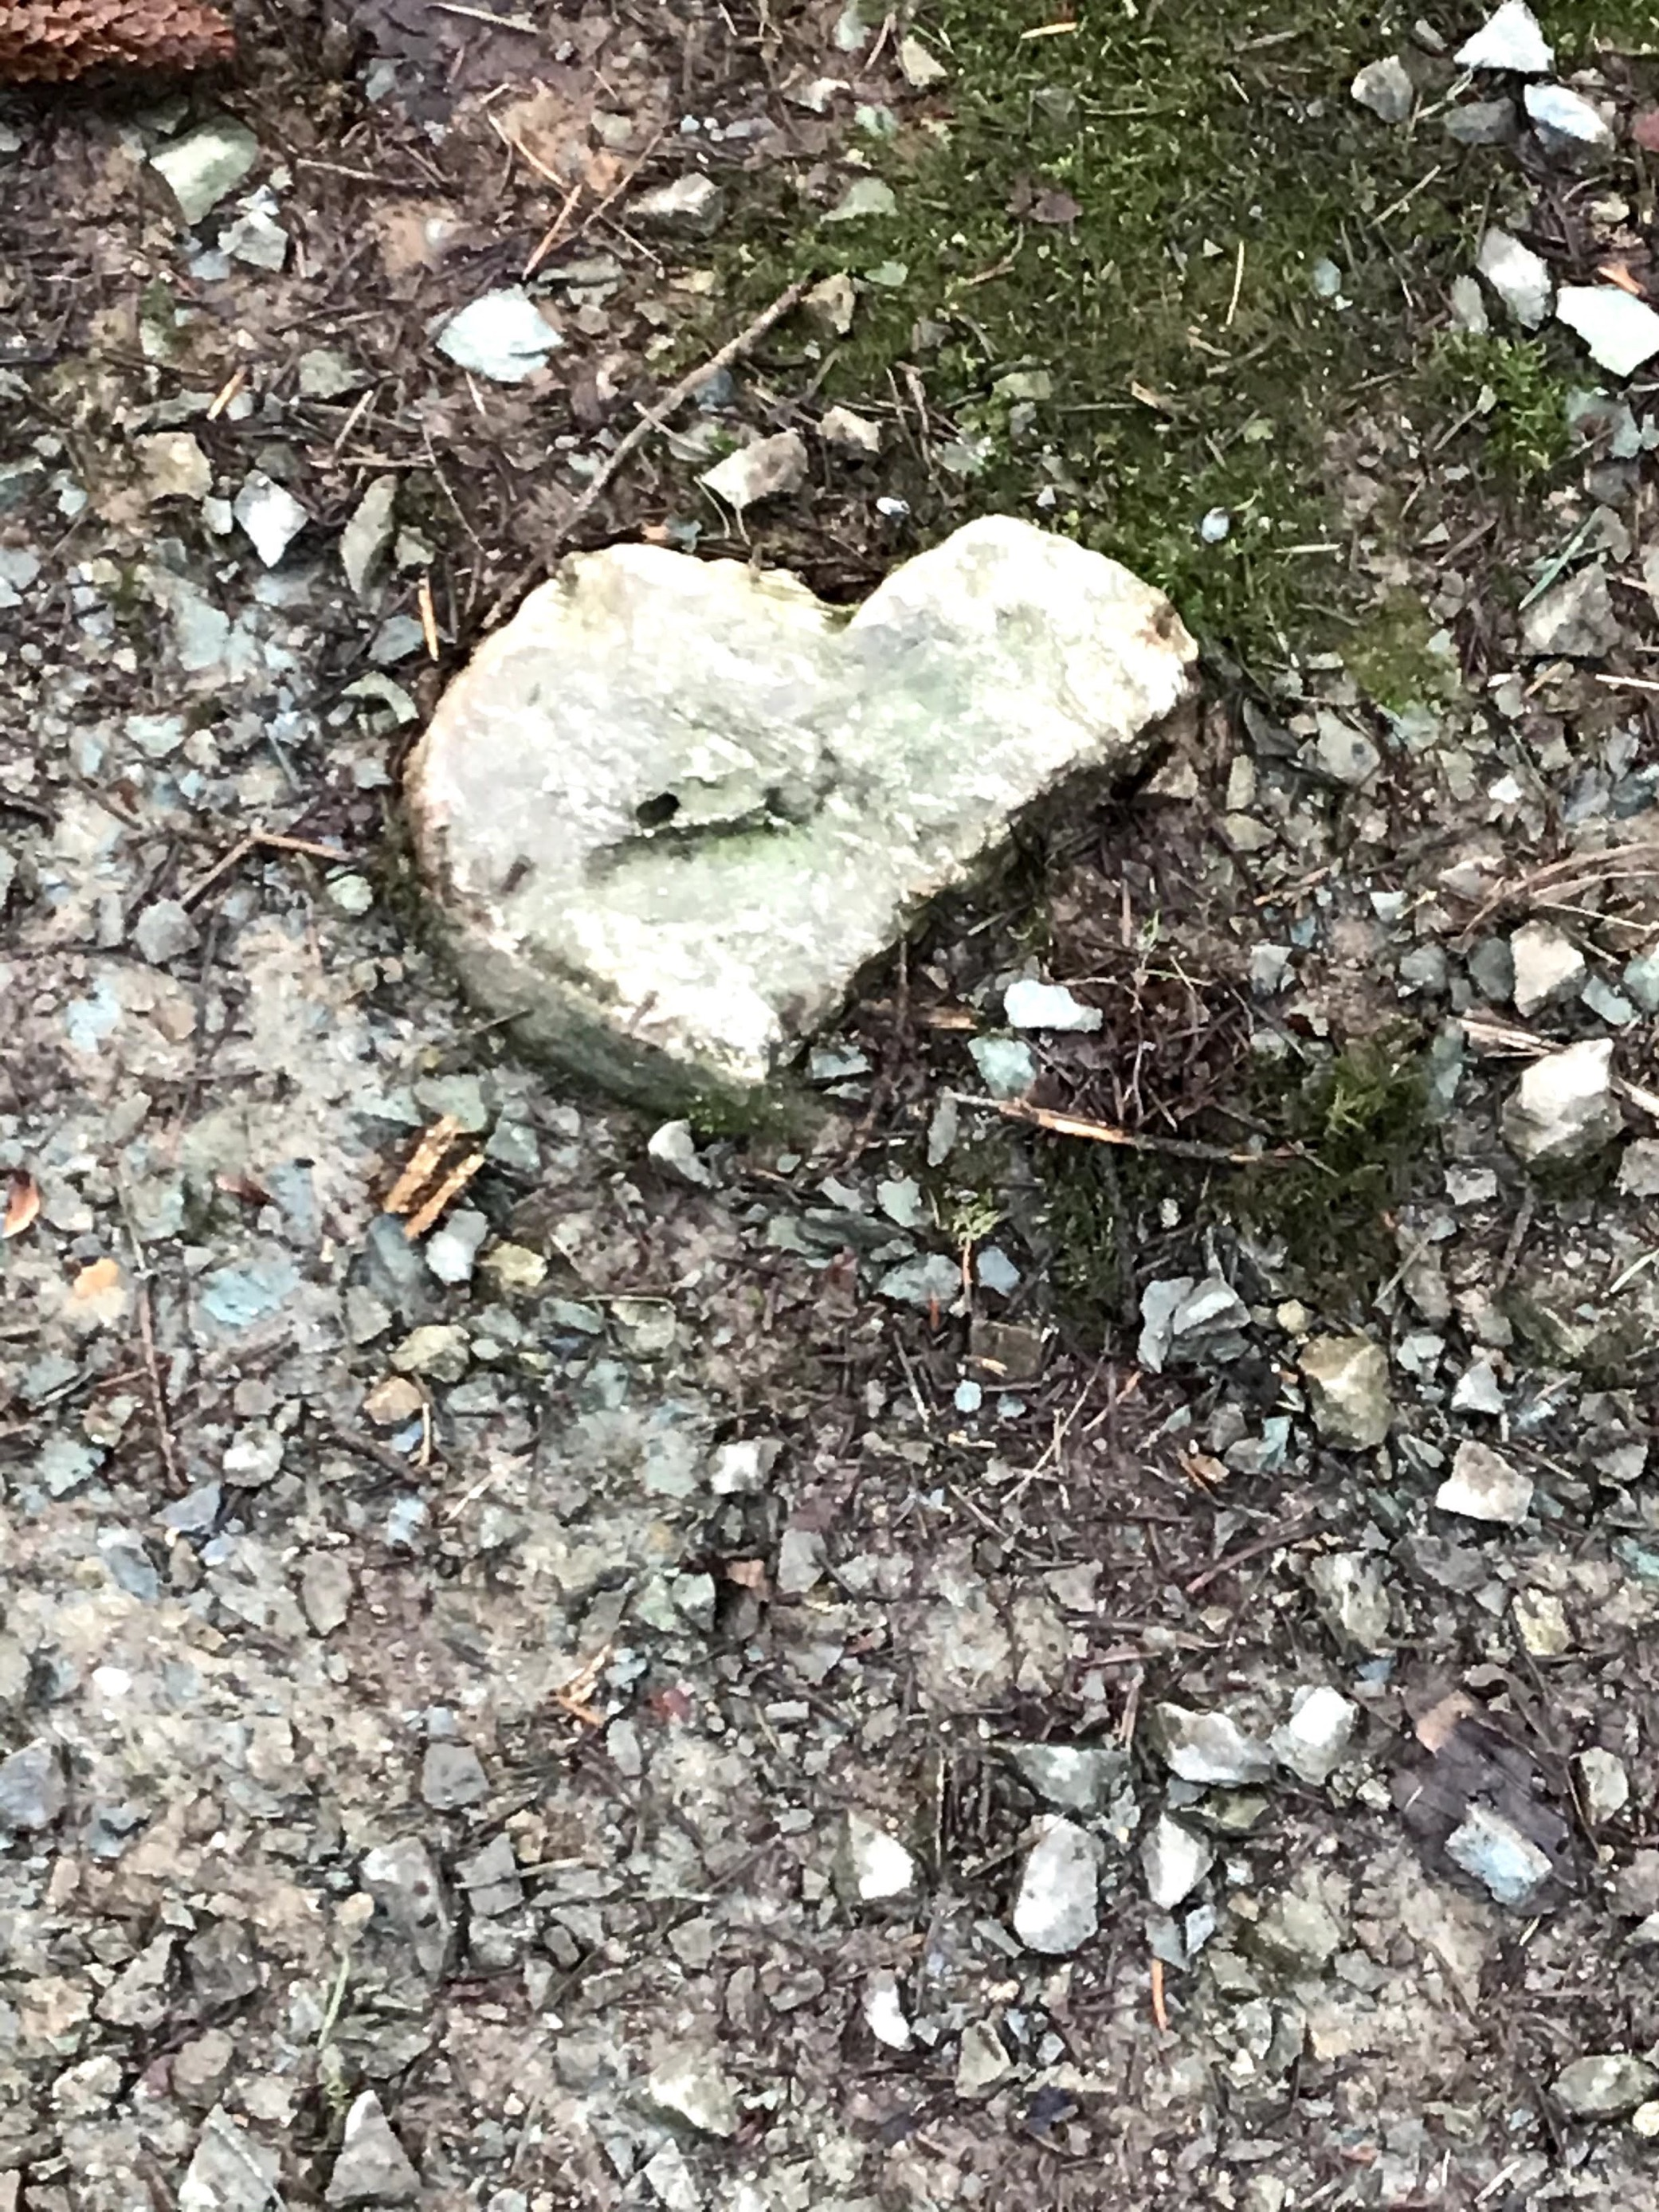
(558, 1711)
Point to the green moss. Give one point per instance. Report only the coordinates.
(1096, 1198)
(1359, 1122)
(1171, 348)
(1392, 654)
(1517, 396)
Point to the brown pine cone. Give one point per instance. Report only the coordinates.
(47, 41)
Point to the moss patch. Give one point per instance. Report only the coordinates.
(1141, 270)
(1516, 390)
(1360, 1121)
(1393, 656)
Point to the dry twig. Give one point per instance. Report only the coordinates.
(1104, 1133)
(260, 841)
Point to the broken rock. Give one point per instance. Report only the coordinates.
(1520, 277)
(1057, 1909)
(1564, 1108)
(691, 2086)
(1386, 89)
(1568, 126)
(1483, 1485)
(1506, 1864)
(1347, 1380)
(769, 469)
(231, 2171)
(1574, 617)
(1605, 2085)
(1175, 1859)
(691, 206)
(675, 806)
(371, 2167)
(1548, 966)
(33, 1790)
(205, 165)
(1621, 333)
(872, 1867)
(1315, 1740)
(1509, 39)
(1211, 1748)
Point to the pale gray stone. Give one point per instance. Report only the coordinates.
(231, 2170)
(1605, 1781)
(833, 303)
(503, 336)
(1549, 967)
(1187, 1323)
(203, 167)
(1481, 122)
(921, 69)
(174, 465)
(1211, 1748)
(325, 374)
(672, 2182)
(165, 931)
(1348, 1392)
(675, 806)
(1520, 277)
(1007, 1067)
(982, 2063)
(1057, 1908)
(252, 1458)
(864, 198)
(1565, 122)
(1075, 1777)
(1313, 1741)
(870, 1865)
(688, 207)
(1343, 753)
(1030, 1004)
(1175, 1859)
(404, 1883)
(325, 1591)
(1468, 306)
(1510, 38)
(1574, 617)
(1621, 333)
(1299, 1932)
(1605, 2085)
(674, 1147)
(1564, 1108)
(1386, 89)
(367, 534)
(1350, 1592)
(883, 2011)
(770, 468)
(855, 435)
(452, 1776)
(373, 2166)
(451, 1252)
(1506, 1864)
(1638, 1171)
(270, 515)
(258, 240)
(689, 2086)
(1483, 1485)
(32, 1791)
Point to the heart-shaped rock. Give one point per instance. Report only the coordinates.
(674, 807)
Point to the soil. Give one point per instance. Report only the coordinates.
(444, 1669)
